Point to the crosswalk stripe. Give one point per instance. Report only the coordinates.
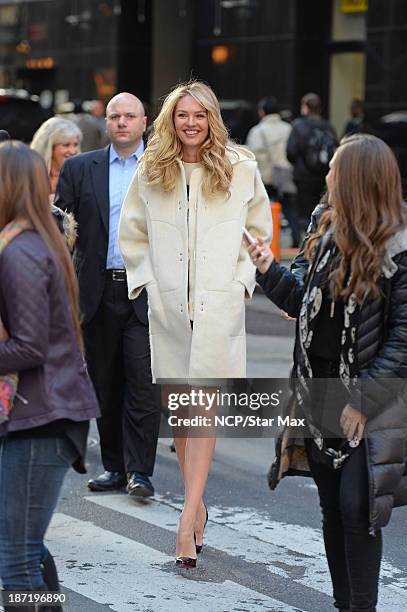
(291, 551)
(126, 575)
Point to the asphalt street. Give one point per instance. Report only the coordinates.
(263, 550)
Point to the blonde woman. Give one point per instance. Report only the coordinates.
(181, 237)
(56, 140)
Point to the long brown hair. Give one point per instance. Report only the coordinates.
(24, 194)
(365, 210)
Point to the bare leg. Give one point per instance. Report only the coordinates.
(195, 454)
(180, 446)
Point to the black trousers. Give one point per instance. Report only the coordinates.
(118, 355)
(353, 555)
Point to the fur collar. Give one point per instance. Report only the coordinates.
(396, 245)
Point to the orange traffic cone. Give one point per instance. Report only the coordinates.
(276, 217)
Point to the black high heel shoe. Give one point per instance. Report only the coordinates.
(185, 562)
(199, 547)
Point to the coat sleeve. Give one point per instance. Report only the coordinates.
(259, 224)
(134, 240)
(282, 288)
(386, 376)
(65, 196)
(24, 282)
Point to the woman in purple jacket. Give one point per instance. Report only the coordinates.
(48, 425)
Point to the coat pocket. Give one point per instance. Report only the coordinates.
(168, 256)
(157, 314)
(218, 255)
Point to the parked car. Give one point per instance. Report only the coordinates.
(20, 114)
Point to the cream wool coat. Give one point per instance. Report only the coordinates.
(154, 237)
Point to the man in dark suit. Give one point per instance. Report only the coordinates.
(92, 186)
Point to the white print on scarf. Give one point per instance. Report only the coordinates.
(324, 261)
(316, 297)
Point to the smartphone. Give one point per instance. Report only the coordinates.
(248, 235)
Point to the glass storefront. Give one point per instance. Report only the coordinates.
(66, 49)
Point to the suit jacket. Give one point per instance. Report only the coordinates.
(83, 189)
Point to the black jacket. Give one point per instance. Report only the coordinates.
(83, 189)
(42, 345)
(381, 357)
(298, 142)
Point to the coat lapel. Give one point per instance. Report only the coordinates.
(100, 180)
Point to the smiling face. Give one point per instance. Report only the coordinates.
(63, 151)
(191, 125)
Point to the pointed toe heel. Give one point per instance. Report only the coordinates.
(199, 547)
(185, 562)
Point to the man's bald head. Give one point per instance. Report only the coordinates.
(125, 123)
(124, 96)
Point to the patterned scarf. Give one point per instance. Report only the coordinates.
(310, 308)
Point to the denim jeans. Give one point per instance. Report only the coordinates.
(353, 555)
(31, 475)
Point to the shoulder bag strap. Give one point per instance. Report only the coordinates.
(10, 231)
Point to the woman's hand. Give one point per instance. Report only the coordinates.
(284, 315)
(353, 423)
(261, 255)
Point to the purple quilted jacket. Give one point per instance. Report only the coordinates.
(42, 348)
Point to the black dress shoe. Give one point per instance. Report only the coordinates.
(138, 485)
(108, 481)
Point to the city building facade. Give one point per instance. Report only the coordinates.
(246, 49)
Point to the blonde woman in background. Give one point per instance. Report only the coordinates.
(56, 140)
(181, 238)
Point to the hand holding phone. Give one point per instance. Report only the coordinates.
(260, 254)
(248, 236)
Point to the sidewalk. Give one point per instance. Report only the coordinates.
(270, 339)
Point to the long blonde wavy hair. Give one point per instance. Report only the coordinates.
(159, 163)
(365, 210)
(56, 130)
